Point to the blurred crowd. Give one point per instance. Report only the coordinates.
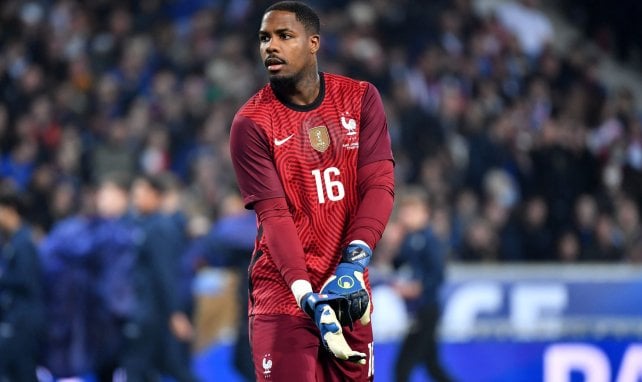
(530, 154)
(522, 150)
(609, 26)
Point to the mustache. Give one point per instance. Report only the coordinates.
(274, 60)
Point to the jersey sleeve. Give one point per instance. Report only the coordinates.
(282, 239)
(374, 141)
(255, 172)
(376, 193)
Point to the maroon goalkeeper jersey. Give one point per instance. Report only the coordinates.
(308, 155)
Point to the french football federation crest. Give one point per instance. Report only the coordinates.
(319, 138)
(267, 365)
(350, 125)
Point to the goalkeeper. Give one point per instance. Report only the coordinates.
(312, 156)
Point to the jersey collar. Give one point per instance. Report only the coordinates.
(311, 106)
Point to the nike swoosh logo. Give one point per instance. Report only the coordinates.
(279, 142)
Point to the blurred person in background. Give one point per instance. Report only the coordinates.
(586, 213)
(465, 208)
(230, 244)
(537, 238)
(501, 198)
(568, 249)
(608, 245)
(227, 243)
(480, 242)
(21, 305)
(113, 154)
(423, 253)
(173, 208)
(70, 271)
(114, 247)
(152, 337)
(627, 215)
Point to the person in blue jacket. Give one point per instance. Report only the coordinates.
(231, 242)
(21, 309)
(88, 262)
(115, 248)
(423, 252)
(69, 271)
(152, 336)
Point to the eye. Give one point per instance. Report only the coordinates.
(264, 38)
(285, 36)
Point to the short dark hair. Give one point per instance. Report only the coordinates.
(13, 201)
(154, 182)
(303, 13)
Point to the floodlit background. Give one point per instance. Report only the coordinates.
(519, 121)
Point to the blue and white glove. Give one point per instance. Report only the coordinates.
(348, 282)
(318, 306)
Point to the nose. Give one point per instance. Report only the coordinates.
(271, 46)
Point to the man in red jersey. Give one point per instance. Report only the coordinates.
(312, 157)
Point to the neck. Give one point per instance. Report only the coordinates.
(299, 90)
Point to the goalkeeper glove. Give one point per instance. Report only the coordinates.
(318, 306)
(348, 282)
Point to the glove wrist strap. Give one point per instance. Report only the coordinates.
(357, 252)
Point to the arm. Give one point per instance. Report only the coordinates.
(284, 243)
(375, 177)
(375, 173)
(376, 182)
(261, 189)
(376, 190)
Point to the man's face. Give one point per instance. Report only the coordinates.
(144, 198)
(286, 48)
(111, 201)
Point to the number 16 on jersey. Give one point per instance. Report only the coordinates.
(328, 184)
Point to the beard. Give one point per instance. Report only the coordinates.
(285, 84)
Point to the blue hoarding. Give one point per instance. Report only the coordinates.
(513, 324)
(551, 323)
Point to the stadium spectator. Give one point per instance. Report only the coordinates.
(21, 304)
(537, 243)
(72, 101)
(568, 247)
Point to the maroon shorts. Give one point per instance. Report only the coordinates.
(287, 348)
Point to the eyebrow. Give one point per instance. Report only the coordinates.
(280, 30)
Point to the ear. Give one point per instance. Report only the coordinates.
(315, 43)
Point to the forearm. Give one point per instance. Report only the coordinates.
(376, 189)
(284, 244)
